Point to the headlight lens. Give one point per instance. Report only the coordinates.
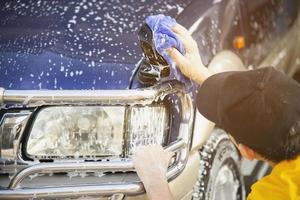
(10, 127)
(96, 130)
(147, 125)
(77, 131)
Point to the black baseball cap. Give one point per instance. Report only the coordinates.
(259, 108)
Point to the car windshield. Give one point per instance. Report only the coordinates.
(103, 31)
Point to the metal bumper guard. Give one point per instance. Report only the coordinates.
(144, 96)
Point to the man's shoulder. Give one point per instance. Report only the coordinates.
(269, 187)
(282, 183)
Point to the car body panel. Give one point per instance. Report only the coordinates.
(285, 54)
(58, 44)
(267, 22)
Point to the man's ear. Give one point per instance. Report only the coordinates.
(246, 152)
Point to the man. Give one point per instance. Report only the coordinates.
(259, 108)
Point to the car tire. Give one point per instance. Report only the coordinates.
(219, 175)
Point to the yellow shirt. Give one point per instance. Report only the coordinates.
(282, 184)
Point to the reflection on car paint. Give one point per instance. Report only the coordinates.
(58, 44)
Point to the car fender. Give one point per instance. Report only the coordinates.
(223, 61)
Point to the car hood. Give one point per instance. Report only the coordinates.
(64, 44)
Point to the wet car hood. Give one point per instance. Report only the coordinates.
(82, 44)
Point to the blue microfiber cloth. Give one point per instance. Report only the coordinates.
(165, 38)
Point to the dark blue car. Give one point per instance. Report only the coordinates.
(75, 104)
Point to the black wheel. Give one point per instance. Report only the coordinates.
(219, 176)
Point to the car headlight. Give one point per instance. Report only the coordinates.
(77, 131)
(147, 125)
(84, 131)
(10, 127)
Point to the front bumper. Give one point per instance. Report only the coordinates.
(99, 97)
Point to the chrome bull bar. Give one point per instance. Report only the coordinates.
(104, 97)
(108, 97)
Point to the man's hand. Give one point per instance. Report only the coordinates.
(189, 64)
(151, 164)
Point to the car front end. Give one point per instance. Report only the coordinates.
(38, 154)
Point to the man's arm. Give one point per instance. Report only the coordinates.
(189, 64)
(151, 164)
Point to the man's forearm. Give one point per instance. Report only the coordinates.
(158, 189)
(151, 164)
(201, 74)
